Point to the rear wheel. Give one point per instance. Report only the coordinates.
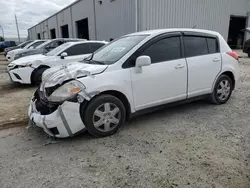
(248, 52)
(104, 115)
(37, 76)
(222, 90)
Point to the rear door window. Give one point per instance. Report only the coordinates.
(195, 46)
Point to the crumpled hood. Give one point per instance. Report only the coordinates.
(29, 59)
(59, 74)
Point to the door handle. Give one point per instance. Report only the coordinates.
(216, 60)
(179, 66)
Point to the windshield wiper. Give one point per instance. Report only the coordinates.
(91, 61)
(98, 62)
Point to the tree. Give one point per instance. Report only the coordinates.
(1, 39)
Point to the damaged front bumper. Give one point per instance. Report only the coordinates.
(59, 116)
(63, 121)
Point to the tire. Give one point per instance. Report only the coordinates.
(222, 90)
(37, 76)
(98, 120)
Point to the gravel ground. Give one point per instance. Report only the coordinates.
(197, 145)
(14, 98)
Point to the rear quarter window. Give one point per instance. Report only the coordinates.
(213, 46)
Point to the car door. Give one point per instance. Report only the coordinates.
(204, 63)
(165, 80)
(76, 53)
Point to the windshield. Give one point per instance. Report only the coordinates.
(22, 45)
(44, 44)
(29, 45)
(33, 46)
(58, 49)
(117, 49)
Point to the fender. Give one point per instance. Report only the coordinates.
(227, 68)
(116, 88)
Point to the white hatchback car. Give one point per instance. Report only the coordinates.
(29, 70)
(11, 55)
(135, 72)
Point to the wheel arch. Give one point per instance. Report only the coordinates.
(116, 94)
(231, 76)
(227, 73)
(35, 70)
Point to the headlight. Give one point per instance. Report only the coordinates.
(11, 66)
(66, 91)
(25, 65)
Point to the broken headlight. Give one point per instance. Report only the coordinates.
(66, 91)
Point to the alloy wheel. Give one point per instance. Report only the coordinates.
(223, 90)
(106, 117)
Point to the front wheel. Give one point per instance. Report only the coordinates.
(104, 115)
(222, 90)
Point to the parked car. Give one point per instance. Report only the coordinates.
(6, 44)
(29, 70)
(246, 46)
(45, 47)
(22, 45)
(10, 55)
(134, 73)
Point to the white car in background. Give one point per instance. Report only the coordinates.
(45, 47)
(136, 72)
(11, 55)
(29, 70)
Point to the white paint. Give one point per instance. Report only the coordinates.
(50, 61)
(201, 73)
(71, 113)
(158, 83)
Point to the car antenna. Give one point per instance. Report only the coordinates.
(194, 26)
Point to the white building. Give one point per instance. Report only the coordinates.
(105, 19)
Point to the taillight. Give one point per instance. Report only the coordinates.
(233, 55)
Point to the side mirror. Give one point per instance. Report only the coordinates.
(63, 55)
(141, 62)
(32, 47)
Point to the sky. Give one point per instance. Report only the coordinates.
(28, 12)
